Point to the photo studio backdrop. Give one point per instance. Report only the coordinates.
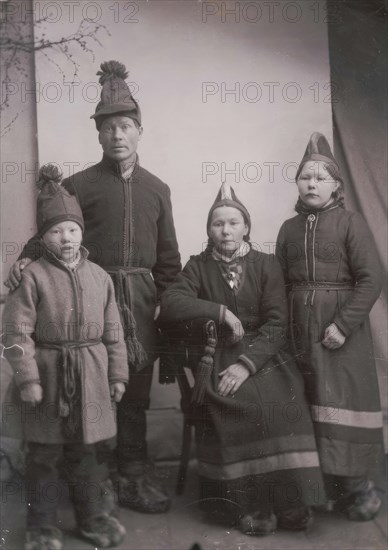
(228, 91)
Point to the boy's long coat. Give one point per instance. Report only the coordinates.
(54, 305)
(323, 248)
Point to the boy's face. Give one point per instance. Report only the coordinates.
(64, 240)
(316, 184)
(119, 137)
(227, 229)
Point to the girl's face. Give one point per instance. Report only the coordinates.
(227, 229)
(64, 240)
(315, 184)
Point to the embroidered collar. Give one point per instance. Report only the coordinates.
(114, 166)
(301, 208)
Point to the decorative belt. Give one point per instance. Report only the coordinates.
(133, 270)
(68, 380)
(321, 285)
(135, 350)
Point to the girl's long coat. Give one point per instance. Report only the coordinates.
(261, 440)
(335, 246)
(55, 305)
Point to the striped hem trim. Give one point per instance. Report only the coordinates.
(346, 417)
(214, 454)
(257, 466)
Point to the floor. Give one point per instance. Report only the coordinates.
(183, 526)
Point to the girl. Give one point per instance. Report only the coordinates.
(257, 456)
(332, 272)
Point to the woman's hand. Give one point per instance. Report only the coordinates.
(232, 378)
(15, 273)
(117, 391)
(33, 394)
(333, 338)
(235, 326)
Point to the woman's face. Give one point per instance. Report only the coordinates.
(227, 229)
(316, 184)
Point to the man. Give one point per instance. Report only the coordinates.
(129, 231)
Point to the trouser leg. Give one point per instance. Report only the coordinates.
(86, 478)
(42, 484)
(138, 487)
(92, 495)
(131, 419)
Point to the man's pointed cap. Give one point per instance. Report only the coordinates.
(116, 97)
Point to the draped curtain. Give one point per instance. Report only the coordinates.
(358, 64)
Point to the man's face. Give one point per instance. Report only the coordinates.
(119, 137)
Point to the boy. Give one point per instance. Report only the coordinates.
(65, 344)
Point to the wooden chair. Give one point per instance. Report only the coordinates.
(182, 343)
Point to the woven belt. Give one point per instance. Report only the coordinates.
(119, 274)
(321, 285)
(68, 381)
(111, 269)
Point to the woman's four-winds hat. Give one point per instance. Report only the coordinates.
(54, 203)
(318, 149)
(227, 197)
(116, 97)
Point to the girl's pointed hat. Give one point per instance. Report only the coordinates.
(116, 97)
(55, 204)
(227, 197)
(318, 149)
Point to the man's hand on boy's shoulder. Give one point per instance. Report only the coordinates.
(117, 390)
(32, 393)
(15, 273)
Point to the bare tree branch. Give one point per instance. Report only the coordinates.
(16, 44)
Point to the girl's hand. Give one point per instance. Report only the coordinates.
(116, 391)
(333, 338)
(235, 326)
(33, 393)
(232, 378)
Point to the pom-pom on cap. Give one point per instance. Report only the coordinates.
(55, 204)
(49, 174)
(116, 97)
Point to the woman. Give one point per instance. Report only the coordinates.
(258, 463)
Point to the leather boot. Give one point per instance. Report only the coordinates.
(362, 503)
(96, 517)
(258, 524)
(296, 519)
(138, 488)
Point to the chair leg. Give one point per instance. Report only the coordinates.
(185, 457)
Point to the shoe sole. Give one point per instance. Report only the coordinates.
(151, 509)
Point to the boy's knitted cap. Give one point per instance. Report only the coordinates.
(227, 197)
(318, 149)
(116, 97)
(54, 203)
